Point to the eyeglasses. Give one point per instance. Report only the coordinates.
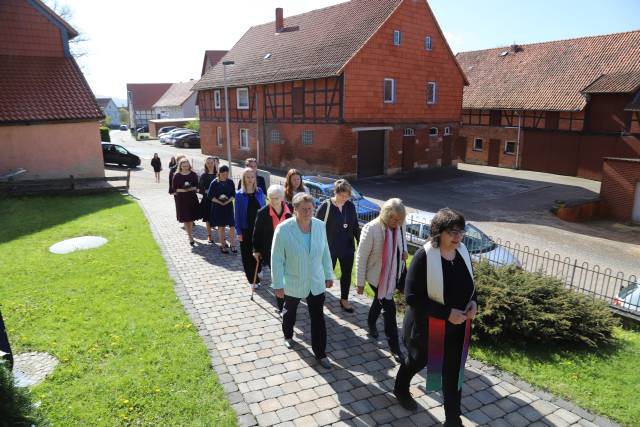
(456, 233)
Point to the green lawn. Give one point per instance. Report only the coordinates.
(606, 382)
(128, 353)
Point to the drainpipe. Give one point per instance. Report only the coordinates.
(518, 143)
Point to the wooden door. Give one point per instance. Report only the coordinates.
(408, 152)
(370, 153)
(494, 152)
(446, 150)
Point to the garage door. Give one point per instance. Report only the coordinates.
(370, 153)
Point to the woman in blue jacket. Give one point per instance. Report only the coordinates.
(301, 268)
(249, 200)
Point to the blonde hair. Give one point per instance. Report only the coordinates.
(390, 207)
(244, 179)
(301, 198)
(181, 161)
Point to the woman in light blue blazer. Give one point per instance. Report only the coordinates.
(301, 268)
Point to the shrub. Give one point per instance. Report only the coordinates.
(16, 408)
(193, 125)
(527, 308)
(104, 134)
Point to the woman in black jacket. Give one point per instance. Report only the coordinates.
(267, 219)
(441, 300)
(341, 221)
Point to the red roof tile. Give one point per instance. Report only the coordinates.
(546, 76)
(213, 57)
(44, 89)
(176, 95)
(144, 95)
(615, 83)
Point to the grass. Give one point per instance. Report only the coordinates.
(606, 381)
(128, 353)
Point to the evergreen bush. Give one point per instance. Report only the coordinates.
(104, 134)
(529, 308)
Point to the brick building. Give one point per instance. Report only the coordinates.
(620, 190)
(140, 100)
(556, 107)
(362, 88)
(49, 118)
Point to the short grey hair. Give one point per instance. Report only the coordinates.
(301, 198)
(390, 207)
(275, 190)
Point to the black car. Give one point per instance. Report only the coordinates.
(187, 140)
(113, 153)
(143, 129)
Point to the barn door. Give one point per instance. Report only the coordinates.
(494, 152)
(408, 149)
(370, 153)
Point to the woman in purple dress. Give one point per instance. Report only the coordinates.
(185, 185)
(210, 173)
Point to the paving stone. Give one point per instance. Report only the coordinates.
(306, 408)
(507, 405)
(287, 413)
(492, 411)
(530, 413)
(500, 422)
(324, 418)
(478, 417)
(268, 419)
(544, 408)
(516, 420)
(555, 421)
(569, 417)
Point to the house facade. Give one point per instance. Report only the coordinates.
(110, 109)
(362, 88)
(140, 100)
(557, 107)
(178, 102)
(49, 118)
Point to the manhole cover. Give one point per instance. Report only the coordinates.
(32, 368)
(77, 244)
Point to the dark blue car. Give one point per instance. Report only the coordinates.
(321, 188)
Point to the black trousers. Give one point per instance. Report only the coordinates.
(416, 360)
(346, 267)
(315, 304)
(388, 307)
(248, 261)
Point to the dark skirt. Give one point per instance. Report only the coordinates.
(222, 215)
(205, 209)
(187, 206)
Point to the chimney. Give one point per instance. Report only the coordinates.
(515, 48)
(279, 19)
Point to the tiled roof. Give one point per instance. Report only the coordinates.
(213, 56)
(546, 76)
(103, 102)
(176, 95)
(44, 89)
(615, 83)
(313, 45)
(144, 95)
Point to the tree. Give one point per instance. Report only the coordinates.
(124, 115)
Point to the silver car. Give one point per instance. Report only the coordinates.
(629, 297)
(480, 245)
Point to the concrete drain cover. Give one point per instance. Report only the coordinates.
(32, 368)
(77, 244)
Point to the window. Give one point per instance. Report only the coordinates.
(307, 137)
(216, 100)
(297, 101)
(389, 91)
(433, 132)
(432, 88)
(477, 144)
(397, 37)
(219, 135)
(509, 147)
(427, 43)
(242, 93)
(409, 132)
(447, 131)
(275, 136)
(244, 139)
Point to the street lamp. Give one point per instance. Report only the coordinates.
(226, 111)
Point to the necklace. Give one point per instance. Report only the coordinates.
(447, 259)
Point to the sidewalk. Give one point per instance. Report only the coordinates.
(270, 385)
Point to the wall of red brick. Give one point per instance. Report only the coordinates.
(619, 180)
(411, 65)
(27, 32)
(605, 113)
(487, 133)
(593, 148)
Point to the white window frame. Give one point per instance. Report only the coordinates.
(447, 130)
(431, 133)
(434, 93)
(397, 38)
(510, 153)
(309, 134)
(272, 139)
(428, 43)
(217, 102)
(475, 147)
(246, 138)
(219, 136)
(409, 132)
(244, 90)
(393, 90)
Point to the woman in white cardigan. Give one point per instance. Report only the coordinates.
(380, 261)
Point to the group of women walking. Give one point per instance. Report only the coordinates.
(277, 228)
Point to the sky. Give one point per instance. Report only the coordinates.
(163, 41)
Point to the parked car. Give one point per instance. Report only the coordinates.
(116, 154)
(321, 188)
(480, 245)
(629, 297)
(165, 138)
(124, 127)
(143, 129)
(166, 129)
(174, 134)
(187, 140)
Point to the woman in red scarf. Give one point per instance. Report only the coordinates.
(267, 219)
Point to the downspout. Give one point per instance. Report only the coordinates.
(518, 143)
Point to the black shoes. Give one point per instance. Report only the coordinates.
(398, 355)
(373, 331)
(405, 400)
(347, 309)
(456, 422)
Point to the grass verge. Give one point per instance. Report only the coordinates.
(128, 353)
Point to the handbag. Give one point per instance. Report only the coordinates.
(326, 214)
